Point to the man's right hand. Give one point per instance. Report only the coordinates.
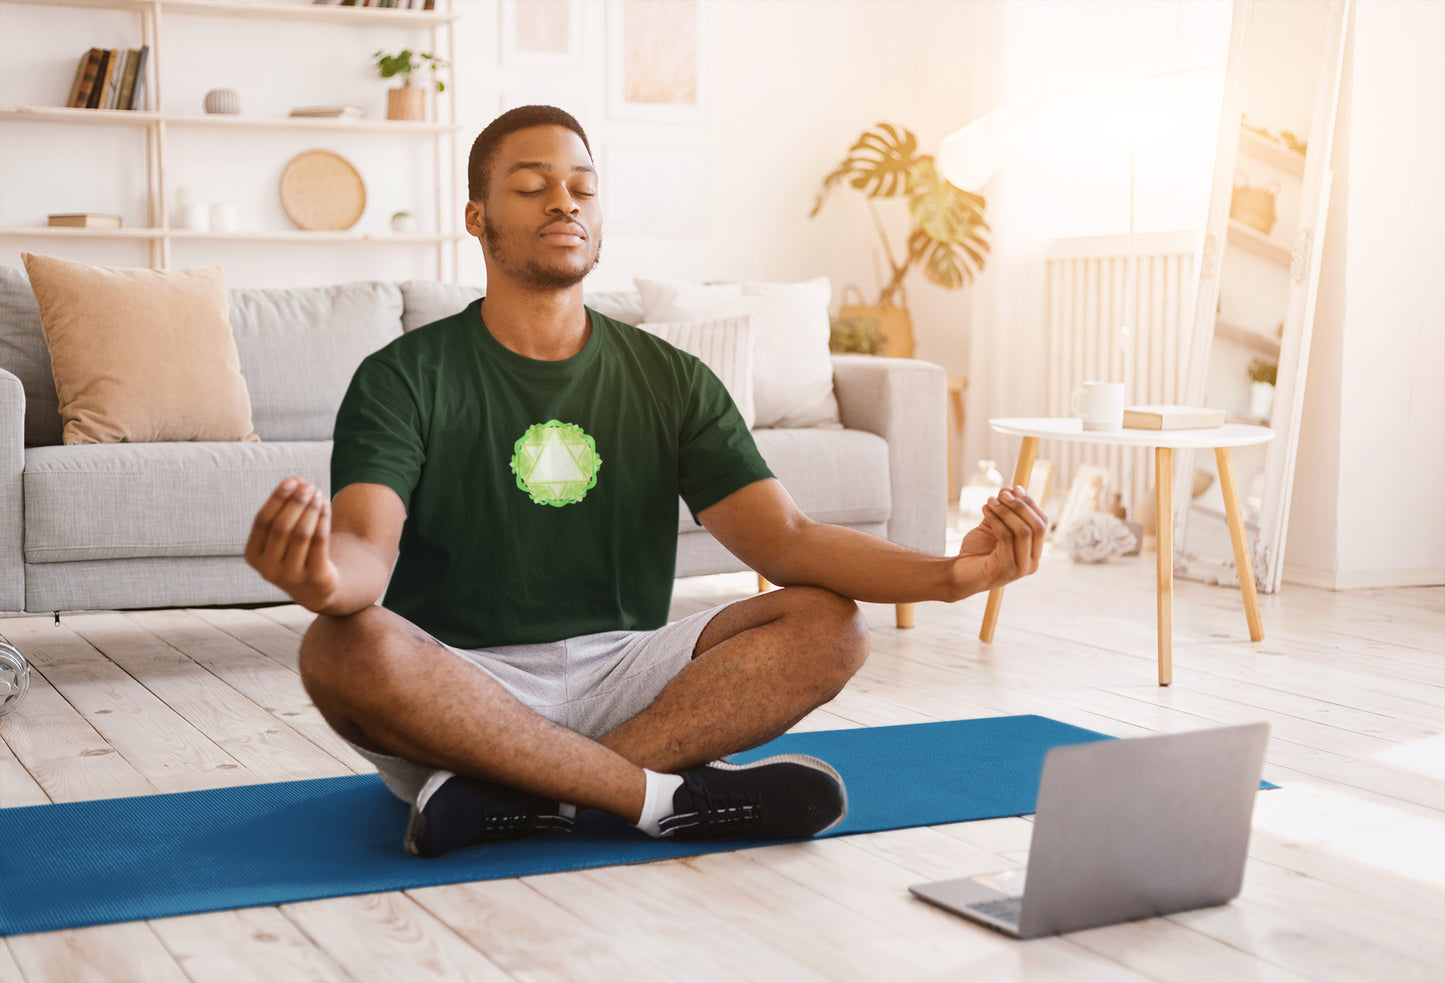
(290, 543)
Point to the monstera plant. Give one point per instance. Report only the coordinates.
(946, 239)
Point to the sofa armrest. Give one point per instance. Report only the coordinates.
(904, 401)
(12, 506)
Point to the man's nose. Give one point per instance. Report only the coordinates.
(562, 202)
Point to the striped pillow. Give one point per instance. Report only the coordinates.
(724, 345)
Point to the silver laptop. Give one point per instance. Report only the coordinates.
(1125, 829)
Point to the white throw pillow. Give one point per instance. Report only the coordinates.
(725, 346)
(792, 368)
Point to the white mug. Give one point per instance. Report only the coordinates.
(1101, 404)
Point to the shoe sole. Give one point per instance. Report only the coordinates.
(807, 761)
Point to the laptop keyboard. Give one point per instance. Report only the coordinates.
(1005, 910)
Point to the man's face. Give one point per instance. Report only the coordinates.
(541, 221)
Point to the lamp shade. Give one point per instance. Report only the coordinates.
(967, 158)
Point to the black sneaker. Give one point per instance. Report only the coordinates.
(453, 811)
(790, 796)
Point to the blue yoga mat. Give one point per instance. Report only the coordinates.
(154, 856)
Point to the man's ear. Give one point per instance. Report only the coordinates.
(475, 218)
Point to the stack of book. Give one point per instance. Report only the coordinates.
(109, 78)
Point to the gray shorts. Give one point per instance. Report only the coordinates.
(590, 684)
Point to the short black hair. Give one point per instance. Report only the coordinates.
(484, 148)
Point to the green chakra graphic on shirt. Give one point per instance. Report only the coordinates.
(556, 463)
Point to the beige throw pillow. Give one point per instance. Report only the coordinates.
(140, 355)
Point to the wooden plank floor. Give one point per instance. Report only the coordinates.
(1346, 878)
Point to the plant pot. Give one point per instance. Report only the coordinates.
(1261, 400)
(407, 102)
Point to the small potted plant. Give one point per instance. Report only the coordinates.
(1262, 373)
(416, 68)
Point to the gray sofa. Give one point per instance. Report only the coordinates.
(145, 525)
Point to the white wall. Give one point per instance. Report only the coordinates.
(791, 84)
(1367, 508)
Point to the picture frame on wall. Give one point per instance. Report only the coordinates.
(656, 60)
(541, 33)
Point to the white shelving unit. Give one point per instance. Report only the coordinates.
(156, 121)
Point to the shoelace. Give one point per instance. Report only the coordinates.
(722, 809)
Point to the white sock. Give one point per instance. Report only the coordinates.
(657, 805)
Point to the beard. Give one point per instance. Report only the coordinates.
(533, 273)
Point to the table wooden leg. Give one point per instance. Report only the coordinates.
(1164, 549)
(1027, 451)
(1242, 564)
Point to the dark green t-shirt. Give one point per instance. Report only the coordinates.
(541, 497)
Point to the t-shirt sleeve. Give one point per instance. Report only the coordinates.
(379, 433)
(717, 453)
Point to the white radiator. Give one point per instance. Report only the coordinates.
(1094, 287)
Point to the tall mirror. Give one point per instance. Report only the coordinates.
(1259, 270)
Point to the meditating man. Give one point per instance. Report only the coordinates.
(519, 463)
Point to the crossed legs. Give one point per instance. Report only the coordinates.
(758, 667)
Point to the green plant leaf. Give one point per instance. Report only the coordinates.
(948, 264)
(878, 164)
(942, 211)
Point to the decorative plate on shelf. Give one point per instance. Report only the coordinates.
(321, 191)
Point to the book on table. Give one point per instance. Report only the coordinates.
(84, 220)
(1169, 417)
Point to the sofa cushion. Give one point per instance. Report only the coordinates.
(140, 355)
(300, 346)
(726, 347)
(428, 301)
(838, 476)
(425, 301)
(23, 353)
(112, 501)
(792, 368)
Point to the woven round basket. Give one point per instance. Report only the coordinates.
(321, 191)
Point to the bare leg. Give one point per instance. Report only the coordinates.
(759, 667)
(387, 686)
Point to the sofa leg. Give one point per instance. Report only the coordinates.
(905, 615)
(763, 585)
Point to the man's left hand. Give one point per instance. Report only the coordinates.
(1005, 546)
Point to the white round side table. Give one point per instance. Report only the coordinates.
(1164, 442)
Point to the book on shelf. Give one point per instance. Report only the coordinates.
(127, 79)
(89, 80)
(112, 86)
(137, 96)
(81, 72)
(98, 94)
(117, 69)
(1168, 417)
(83, 220)
(329, 112)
